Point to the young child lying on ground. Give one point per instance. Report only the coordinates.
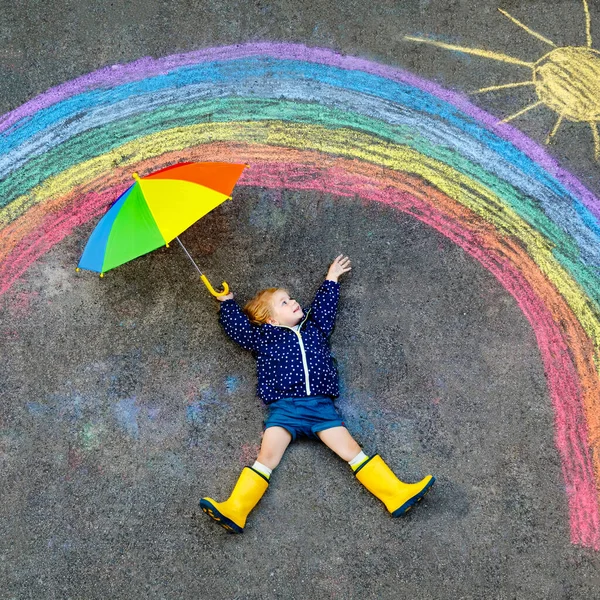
(297, 381)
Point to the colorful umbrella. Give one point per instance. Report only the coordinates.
(155, 210)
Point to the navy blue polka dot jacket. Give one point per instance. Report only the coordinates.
(289, 363)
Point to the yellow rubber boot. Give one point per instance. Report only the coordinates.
(232, 513)
(398, 497)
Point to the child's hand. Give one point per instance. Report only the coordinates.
(223, 298)
(338, 267)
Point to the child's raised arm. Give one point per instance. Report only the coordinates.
(324, 307)
(236, 324)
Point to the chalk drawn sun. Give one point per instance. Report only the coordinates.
(566, 79)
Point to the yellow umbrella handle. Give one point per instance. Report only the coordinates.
(212, 290)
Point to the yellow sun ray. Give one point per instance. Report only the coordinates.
(476, 51)
(502, 87)
(594, 127)
(554, 129)
(522, 111)
(588, 24)
(527, 29)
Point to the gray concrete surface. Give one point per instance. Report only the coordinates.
(122, 402)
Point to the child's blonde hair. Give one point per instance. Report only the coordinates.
(258, 310)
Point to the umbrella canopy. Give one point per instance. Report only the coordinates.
(155, 210)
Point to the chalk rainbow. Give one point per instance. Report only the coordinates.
(308, 118)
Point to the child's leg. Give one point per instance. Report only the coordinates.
(251, 485)
(274, 443)
(340, 441)
(374, 474)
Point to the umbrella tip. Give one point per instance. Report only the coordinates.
(136, 176)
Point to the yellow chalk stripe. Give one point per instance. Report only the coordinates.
(505, 86)
(475, 51)
(588, 24)
(347, 143)
(527, 29)
(594, 127)
(554, 129)
(522, 111)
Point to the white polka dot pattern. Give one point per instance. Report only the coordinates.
(279, 366)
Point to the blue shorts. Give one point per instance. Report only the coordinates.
(303, 416)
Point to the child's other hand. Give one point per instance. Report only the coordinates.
(338, 267)
(223, 298)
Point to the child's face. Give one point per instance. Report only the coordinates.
(285, 310)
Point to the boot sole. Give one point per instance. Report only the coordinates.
(227, 524)
(399, 512)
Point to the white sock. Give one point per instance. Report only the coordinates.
(357, 460)
(262, 469)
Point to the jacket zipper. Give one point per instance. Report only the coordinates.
(304, 363)
(303, 352)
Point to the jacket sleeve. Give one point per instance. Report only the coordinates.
(324, 307)
(237, 325)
